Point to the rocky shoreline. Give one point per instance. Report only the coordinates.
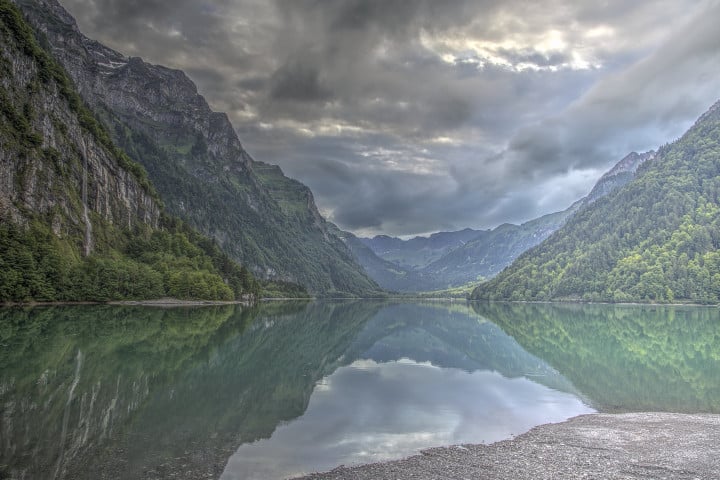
(598, 446)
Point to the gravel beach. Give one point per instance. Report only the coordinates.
(598, 446)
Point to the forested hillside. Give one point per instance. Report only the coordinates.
(655, 240)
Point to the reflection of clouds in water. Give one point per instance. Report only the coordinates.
(369, 412)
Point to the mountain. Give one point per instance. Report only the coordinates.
(487, 255)
(451, 259)
(389, 275)
(79, 219)
(418, 252)
(656, 239)
(198, 165)
(619, 175)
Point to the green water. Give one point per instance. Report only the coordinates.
(287, 388)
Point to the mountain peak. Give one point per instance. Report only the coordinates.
(619, 175)
(712, 113)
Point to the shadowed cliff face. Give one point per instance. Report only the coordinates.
(195, 160)
(55, 165)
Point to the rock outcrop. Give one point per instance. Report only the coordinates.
(55, 164)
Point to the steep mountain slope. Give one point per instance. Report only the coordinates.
(486, 256)
(79, 219)
(193, 156)
(619, 175)
(656, 239)
(387, 274)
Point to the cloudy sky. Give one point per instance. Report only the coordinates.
(412, 116)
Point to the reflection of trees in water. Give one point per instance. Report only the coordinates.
(624, 358)
(451, 336)
(73, 376)
(132, 392)
(110, 382)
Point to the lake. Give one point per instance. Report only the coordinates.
(282, 389)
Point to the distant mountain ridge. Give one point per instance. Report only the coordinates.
(657, 239)
(451, 259)
(198, 165)
(419, 252)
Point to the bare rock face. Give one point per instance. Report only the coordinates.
(619, 175)
(53, 166)
(198, 165)
(131, 87)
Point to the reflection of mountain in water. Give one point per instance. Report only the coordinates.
(624, 358)
(248, 385)
(73, 377)
(450, 337)
(119, 392)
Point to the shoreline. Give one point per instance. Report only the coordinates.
(599, 445)
(174, 302)
(180, 303)
(588, 302)
(158, 302)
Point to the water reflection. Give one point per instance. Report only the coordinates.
(131, 392)
(369, 412)
(623, 357)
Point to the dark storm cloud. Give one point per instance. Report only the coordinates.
(298, 81)
(394, 18)
(409, 116)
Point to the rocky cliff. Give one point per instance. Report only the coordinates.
(56, 164)
(80, 220)
(619, 175)
(198, 165)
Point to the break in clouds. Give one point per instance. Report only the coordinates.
(412, 116)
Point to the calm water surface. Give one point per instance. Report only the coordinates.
(289, 388)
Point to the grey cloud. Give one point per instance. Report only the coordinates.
(254, 83)
(533, 58)
(298, 81)
(284, 68)
(394, 18)
(635, 109)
